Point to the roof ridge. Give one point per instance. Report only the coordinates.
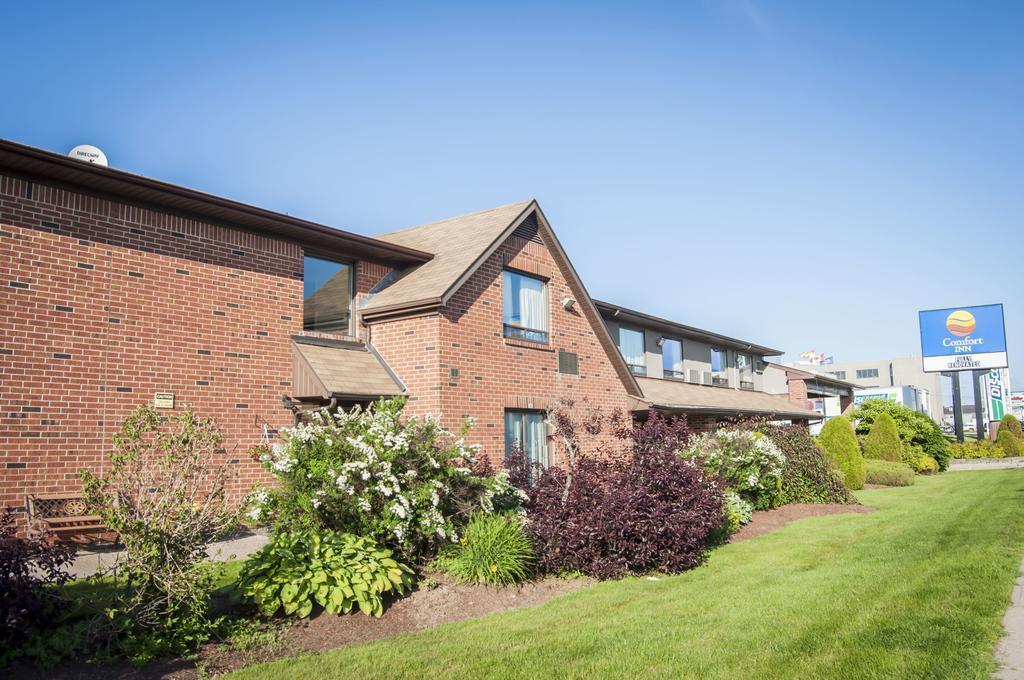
(476, 213)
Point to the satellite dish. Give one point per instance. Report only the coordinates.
(89, 154)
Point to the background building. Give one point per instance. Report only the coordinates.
(896, 372)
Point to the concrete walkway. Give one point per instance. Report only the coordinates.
(90, 561)
(1010, 650)
(985, 464)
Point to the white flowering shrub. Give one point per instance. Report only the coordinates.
(749, 463)
(406, 482)
(737, 511)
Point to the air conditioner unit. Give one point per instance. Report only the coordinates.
(708, 380)
(694, 376)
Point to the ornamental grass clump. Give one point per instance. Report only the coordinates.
(883, 440)
(306, 569)
(839, 442)
(494, 549)
(748, 461)
(633, 507)
(405, 482)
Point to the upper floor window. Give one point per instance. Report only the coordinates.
(866, 373)
(745, 367)
(672, 357)
(526, 307)
(719, 367)
(327, 293)
(631, 344)
(839, 374)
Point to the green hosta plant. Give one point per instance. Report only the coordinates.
(336, 571)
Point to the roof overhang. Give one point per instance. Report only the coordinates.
(46, 166)
(617, 313)
(737, 412)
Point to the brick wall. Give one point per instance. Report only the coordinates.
(493, 372)
(106, 303)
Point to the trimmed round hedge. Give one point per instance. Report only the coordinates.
(840, 444)
(883, 440)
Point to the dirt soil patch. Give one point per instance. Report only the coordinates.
(766, 521)
(441, 602)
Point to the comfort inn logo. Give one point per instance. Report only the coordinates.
(961, 323)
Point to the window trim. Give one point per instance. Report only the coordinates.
(516, 331)
(640, 370)
(351, 264)
(668, 373)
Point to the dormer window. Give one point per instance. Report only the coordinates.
(525, 307)
(327, 293)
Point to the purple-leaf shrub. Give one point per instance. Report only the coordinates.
(28, 567)
(633, 508)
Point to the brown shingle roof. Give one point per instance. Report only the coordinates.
(673, 394)
(458, 243)
(346, 370)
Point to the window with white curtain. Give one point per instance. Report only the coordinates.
(526, 431)
(672, 357)
(631, 344)
(525, 307)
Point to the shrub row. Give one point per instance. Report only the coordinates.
(888, 473)
(913, 427)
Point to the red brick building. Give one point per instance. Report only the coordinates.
(116, 288)
(119, 290)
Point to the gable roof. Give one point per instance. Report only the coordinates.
(460, 245)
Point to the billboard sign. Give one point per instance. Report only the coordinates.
(997, 389)
(963, 338)
(1017, 404)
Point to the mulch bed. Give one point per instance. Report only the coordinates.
(431, 605)
(766, 521)
(428, 606)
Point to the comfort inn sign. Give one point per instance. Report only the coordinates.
(963, 338)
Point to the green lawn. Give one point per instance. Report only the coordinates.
(915, 590)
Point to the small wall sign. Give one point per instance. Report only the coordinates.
(163, 400)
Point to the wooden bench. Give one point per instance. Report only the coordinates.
(62, 514)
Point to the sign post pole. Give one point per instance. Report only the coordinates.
(979, 405)
(958, 410)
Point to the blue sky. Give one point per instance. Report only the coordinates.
(803, 175)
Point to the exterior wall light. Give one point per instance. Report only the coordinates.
(568, 303)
